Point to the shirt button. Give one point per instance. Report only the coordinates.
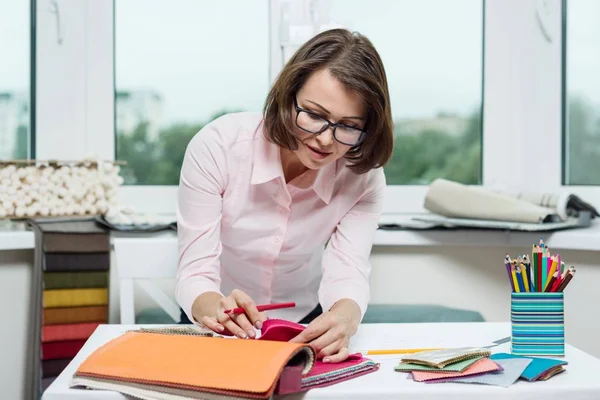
(277, 239)
(282, 209)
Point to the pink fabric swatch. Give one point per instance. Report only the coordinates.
(324, 374)
(485, 365)
(321, 374)
(56, 333)
(280, 330)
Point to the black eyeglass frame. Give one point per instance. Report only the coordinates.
(299, 109)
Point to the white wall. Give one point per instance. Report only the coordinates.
(475, 278)
(15, 284)
(462, 277)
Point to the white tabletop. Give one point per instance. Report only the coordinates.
(580, 381)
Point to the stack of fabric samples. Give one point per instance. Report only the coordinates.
(477, 366)
(75, 279)
(183, 362)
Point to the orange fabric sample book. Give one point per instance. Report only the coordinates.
(221, 366)
(181, 365)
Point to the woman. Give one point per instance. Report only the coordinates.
(283, 206)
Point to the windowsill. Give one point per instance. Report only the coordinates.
(15, 237)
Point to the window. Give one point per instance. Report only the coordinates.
(178, 65)
(581, 95)
(162, 98)
(435, 82)
(15, 74)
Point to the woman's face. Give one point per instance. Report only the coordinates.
(324, 96)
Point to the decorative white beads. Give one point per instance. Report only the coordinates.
(58, 189)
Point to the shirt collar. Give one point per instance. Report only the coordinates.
(325, 181)
(267, 166)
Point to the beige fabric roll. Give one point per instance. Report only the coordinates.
(456, 200)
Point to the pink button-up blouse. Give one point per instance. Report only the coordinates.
(241, 226)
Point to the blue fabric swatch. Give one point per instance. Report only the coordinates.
(513, 368)
(538, 366)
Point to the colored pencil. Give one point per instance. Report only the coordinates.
(264, 307)
(568, 277)
(528, 272)
(544, 271)
(396, 351)
(508, 271)
(551, 282)
(525, 280)
(538, 269)
(557, 282)
(547, 274)
(551, 272)
(514, 277)
(534, 269)
(520, 279)
(561, 277)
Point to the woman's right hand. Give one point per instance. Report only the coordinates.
(241, 325)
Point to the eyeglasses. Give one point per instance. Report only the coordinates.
(312, 122)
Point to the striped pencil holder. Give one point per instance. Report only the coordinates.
(537, 323)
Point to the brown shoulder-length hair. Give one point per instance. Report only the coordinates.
(352, 59)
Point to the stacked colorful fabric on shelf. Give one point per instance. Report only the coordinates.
(74, 258)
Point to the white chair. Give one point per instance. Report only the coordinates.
(138, 260)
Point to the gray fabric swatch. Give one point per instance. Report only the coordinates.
(513, 368)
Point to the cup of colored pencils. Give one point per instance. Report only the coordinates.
(540, 272)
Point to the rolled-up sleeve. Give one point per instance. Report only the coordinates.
(202, 182)
(345, 263)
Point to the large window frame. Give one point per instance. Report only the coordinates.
(522, 97)
(31, 89)
(585, 188)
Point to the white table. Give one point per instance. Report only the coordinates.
(580, 381)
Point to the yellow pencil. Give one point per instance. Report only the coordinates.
(551, 271)
(514, 277)
(396, 351)
(525, 278)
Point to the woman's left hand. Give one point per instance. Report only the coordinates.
(329, 334)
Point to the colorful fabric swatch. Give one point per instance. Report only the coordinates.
(551, 372)
(75, 297)
(70, 299)
(54, 367)
(444, 357)
(56, 262)
(75, 315)
(538, 368)
(55, 333)
(293, 380)
(47, 382)
(456, 367)
(76, 242)
(482, 366)
(323, 374)
(63, 349)
(75, 280)
(511, 371)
